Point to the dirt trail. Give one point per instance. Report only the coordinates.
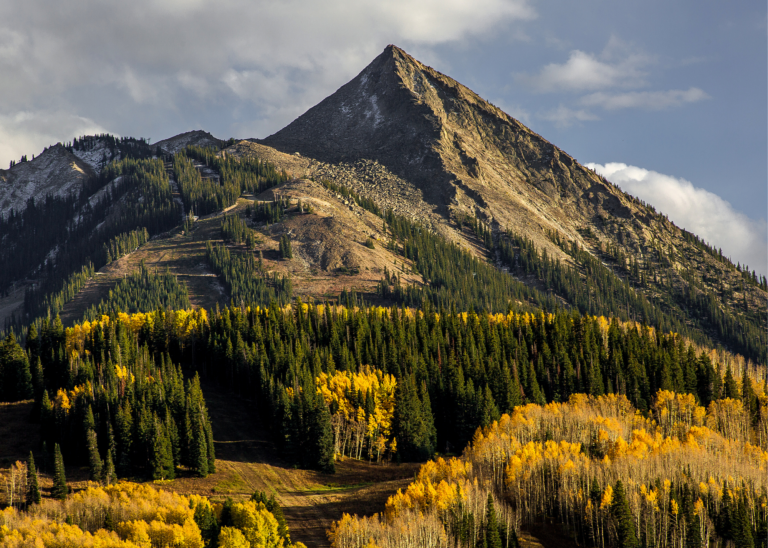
(247, 460)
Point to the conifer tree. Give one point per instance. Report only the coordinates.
(730, 390)
(492, 538)
(693, 532)
(625, 523)
(162, 454)
(33, 489)
(210, 449)
(94, 460)
(60, 489)
(748, 397)
(742, 528)
(200, 452)
(323, 435)
(109, 476)
(208, 524)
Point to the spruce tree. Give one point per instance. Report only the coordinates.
(162, 454)
(748, 397)
(625, 523)
(742, 528)
(33, 488)
(730, 390)
(60, 489)
(323, 435)
(109, 476)
(200, 451)
(492, 538)
(693, 532)
(94, 459)
(210, 449)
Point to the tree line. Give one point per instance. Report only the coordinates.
(606, 474)
(245, 277)
(135, 193)
(142, 291)
(453, 371)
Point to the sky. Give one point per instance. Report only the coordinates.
(666, 99)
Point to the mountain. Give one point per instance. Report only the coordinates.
(401, 148)
(461, 157)
(196, 138)
(463, 154)
(56, 171)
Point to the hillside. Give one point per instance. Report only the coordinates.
(56, 172)
(458, 156)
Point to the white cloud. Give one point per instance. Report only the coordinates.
(587, 72)
(649, 100)
(165, 54)
(29, 132)
(697, 210)
(563, 116)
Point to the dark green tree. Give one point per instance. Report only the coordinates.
(210, 449)
(285, 247)
(95, 463)
(162, 454)
(208, 524)
(60, 489)
(730, 389)
(33, 488)
(323, 436)
(622, 515)
(200, 451)
(742, 528)
(109, 476)
(492, 538)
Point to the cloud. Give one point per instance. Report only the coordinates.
(563, 116)
(23, 132)
(649, 100)
(697, 210)
(248, 57)
(587, 72)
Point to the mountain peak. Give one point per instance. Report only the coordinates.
(196, 137)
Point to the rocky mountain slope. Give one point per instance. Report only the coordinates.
(197, 137)
(460, 156)
(417, 143)
(56, 171)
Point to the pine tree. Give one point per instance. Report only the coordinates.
(200, 452)
(693, 532)
(730, 390)
(323, 435)
(742, 528)
(109, 476)
(162, 454)
(492, 538)
(748, 397)
(33, 489)
(60, 489)
(207, 523)
(210, 449)
(94, 460)
(625, 523)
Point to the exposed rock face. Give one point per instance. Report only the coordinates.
(417, 141)
(56, 172)
(461, 153)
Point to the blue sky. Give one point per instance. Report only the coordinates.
(668, 99)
